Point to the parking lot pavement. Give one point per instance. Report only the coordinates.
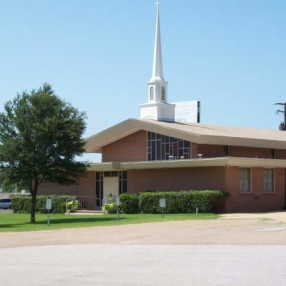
(189, 232)
(278, 216)
(124, 265)
(6, 211)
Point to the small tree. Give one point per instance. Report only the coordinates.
(40, 137)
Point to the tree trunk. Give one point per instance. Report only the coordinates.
(34, 191)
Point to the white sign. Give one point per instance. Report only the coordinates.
(162, 203)
(117, 201)
(48, 204)
(187, 111)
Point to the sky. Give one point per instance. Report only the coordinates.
(97, 55)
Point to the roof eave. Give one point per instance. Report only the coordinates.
(191, 163)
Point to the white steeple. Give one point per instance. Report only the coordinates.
(157, 72)
(157, 107)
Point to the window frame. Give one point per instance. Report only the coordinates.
(164, 148)
(250, 180)
(273, 181)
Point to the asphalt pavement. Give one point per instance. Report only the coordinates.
(6, 211)
(125, 265)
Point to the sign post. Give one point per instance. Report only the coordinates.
(48, 208)
(162, 205)
(117, 203)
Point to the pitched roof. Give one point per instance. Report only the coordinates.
(193, 132)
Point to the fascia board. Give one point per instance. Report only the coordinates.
(192, 163)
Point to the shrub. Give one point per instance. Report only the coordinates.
(129, 203)
(109, 208)
(22, 204)
(72, 205)
(183, 201)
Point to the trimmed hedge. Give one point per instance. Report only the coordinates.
(183, 201)
(129, 203)
(22, 204)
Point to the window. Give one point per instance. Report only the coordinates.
(163, 93)
(98, 188)
(244, 180)
(268, 181)
(151, 93)
(226, 150)
(162, 147)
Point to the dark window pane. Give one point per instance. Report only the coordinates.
(124, 189)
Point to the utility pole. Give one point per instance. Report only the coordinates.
(282, 124)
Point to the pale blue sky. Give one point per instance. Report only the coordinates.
(97, 54)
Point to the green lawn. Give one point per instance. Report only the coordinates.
(20, 222)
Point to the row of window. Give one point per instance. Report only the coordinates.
(162, 147)
(163, 93)
(245, 180)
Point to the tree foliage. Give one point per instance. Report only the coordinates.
(40, 137)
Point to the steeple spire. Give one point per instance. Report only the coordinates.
(157, 107)
(157, 72)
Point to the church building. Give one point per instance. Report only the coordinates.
(158, 153)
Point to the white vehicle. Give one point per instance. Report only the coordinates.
(5, 203)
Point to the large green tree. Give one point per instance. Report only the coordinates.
(40, 138)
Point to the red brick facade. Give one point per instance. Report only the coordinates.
(209, 151)
(176, 179)
(130, 148)
(256, 200)
(248, 152)
(134, 148)
(85, 187)
(220, 178)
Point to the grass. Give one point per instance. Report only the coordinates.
(20, 222)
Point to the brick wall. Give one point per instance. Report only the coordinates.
(256, 201)
(235, 151)
(211, 150)
(280, 154)
(176, 179)
(85, 187)
(250, 152)
(134, 148)
(130, 148)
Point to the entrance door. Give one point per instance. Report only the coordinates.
(110, 187)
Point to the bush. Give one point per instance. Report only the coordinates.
(72, 205)
(109, 208)
(129, 203)
(183, 201)
(22, 204)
